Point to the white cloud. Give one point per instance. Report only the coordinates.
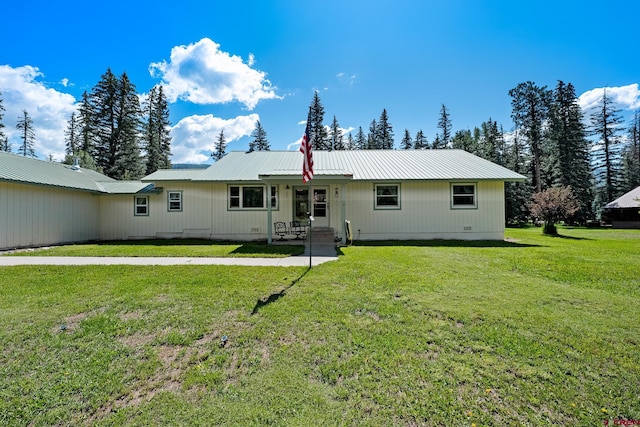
(194, 136)
(203, 74)
(49, 109)
(624, 97)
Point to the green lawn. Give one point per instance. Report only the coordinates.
(538, 331)
(168, 248)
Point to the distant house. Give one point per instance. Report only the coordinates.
(624, 212)
(385, 194)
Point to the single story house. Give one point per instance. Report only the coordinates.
(623, 212)
(384, 194)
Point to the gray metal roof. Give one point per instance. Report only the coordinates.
(360, 165)
(27, 170)
(174, 175)
(628, 200)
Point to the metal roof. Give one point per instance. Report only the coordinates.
(174, 175)
(27, 170)
(628, 200)
(359, 165)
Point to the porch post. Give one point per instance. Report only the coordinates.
(269, 215)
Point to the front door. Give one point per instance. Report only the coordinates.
(318, 206)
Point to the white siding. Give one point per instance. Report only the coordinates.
(36, 216)
(426, 213)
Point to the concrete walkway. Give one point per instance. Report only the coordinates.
(294, 261)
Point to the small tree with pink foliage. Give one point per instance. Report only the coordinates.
(553, 205)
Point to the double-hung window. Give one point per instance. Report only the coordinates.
(251, 197)
(463, 196)
(174, 201)
(387, 196)
(141, 206)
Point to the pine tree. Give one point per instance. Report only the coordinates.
(444, 124)
(350, 145)
(385, 132)
(373, 139)
(335, 136)
(157, 137)
(86, 125)
(517, 194)
(420, 143)
(221, 147)
(128, 160)
(360, 142)
(569, 148)
(530, 110)
(631, 156)
(462, 140)
(27, 135)
(259, 142)
(4, 141)
(72, 136)
(492, 142)
(317, 132)
(605, 125)
(406, 143)
(437, 142)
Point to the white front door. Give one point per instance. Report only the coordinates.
(319, 205)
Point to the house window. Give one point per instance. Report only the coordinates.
(174, 201)
(141, 206)
(387, 196)
(251, 197)
(463, 196)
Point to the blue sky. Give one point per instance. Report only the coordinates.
(226, 64)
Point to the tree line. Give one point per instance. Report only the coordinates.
(112, 131)
(549, 143)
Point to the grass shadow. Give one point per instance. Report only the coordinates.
(276, 296)
(447, 243)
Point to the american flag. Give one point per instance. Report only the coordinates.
(307, 163)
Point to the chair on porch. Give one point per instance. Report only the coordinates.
(280, 229)
(297, 229)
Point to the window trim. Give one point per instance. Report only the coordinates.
(377, 206)
(137, 205)
(239, 198)
(169, 201)
(454, 205)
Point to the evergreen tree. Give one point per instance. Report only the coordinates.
(114, 127)
(4, 141)
(335, 136)
(444, 124)
(317, 132)
(605, 124)
(86, 125)
(406, 143)
(373, 139)
(517, 194)
(128, 160)
(492, 142)
(569, 148)
(631, 157)
(221, 147)
(259, 141)
(437, 142)
(385, 132)
(27, 135)
(72, 136)
(420, 142)
(462, 140)
(157, 137)
(530, 110)
(350, 145)
(360, 141)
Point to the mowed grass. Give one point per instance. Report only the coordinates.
(536, 331)
(168, 248)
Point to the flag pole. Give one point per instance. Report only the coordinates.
(310, 221)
